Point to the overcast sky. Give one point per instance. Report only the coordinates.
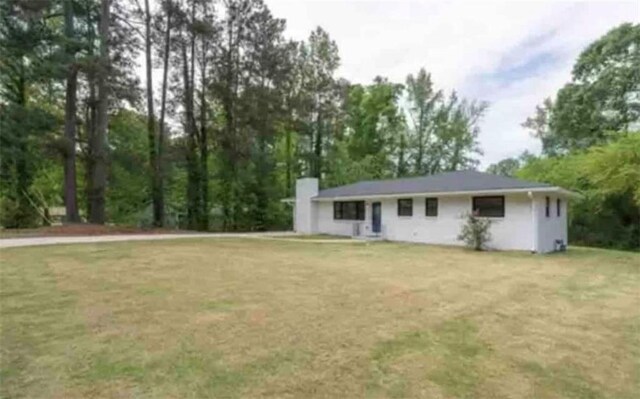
(511, 54)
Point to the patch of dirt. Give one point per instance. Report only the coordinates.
(395, 294)
(258, 317)
(83, 230)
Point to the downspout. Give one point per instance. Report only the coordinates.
(534, 223)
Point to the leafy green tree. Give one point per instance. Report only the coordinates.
(510, 166)
(71, 48)
(191, 52)
(287, 160)
(97, 165)
(232, 140)
(607, 214)
(608, 68)
(538, 125)
(402, 163)
(128, 191)
(444, 129)
(290, 151)
(322, 61)
(424, 101)
(264, 99)
(24, 121)
(614, 169)
(242, 114)
(166, 24)
(455, 144)
(588, 149)
(343, 169)
(603, 96)
(505, 167)
(157, 194)
(373, 122)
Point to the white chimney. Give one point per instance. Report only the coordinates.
(305, 221)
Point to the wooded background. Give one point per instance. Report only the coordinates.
(238, 112)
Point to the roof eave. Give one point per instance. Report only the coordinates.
(551, 189)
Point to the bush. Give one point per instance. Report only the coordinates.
(475, 232)
(13, 216)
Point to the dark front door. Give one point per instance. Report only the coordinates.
(375, 217)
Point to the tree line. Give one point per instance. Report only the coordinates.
(237, 114)
(590, 136)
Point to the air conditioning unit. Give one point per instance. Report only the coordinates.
(356, 230)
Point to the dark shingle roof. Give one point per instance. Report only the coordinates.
(469, 180)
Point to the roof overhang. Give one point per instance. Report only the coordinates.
(528, 191)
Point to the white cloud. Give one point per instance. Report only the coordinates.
(512, 54)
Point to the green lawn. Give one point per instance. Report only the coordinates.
(234, 318)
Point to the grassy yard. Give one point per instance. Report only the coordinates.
(256, 318)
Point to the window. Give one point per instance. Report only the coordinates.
(547, 209)
(489, 206)
(558, 207)
(431, 207)
(405, 207)
(348, 210)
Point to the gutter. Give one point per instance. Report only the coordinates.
(535, 223)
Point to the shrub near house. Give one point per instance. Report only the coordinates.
(475, 232)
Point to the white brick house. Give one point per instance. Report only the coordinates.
(526, 215)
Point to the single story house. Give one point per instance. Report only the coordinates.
(526, 215)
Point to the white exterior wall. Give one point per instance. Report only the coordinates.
(327, 225)
(523, 227)
(515, 231)
(550, 228)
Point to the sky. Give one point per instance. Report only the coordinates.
(511, 54)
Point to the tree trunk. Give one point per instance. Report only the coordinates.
(23, 175)
(288, 162)
(69, 152)
(420, 155)
(402, 166)
(193, 207)
(317, 170)
(70, 188)
(204, 181)
(228, 147)
(91, 115)
(203, 142)
(98, 142)
(90, 128)
(262, 200)
(151, 124)
(163, 107)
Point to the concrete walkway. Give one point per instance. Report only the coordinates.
(35, 241)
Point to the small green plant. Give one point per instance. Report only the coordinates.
(475, 232)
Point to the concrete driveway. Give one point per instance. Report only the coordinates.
(34, 241)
